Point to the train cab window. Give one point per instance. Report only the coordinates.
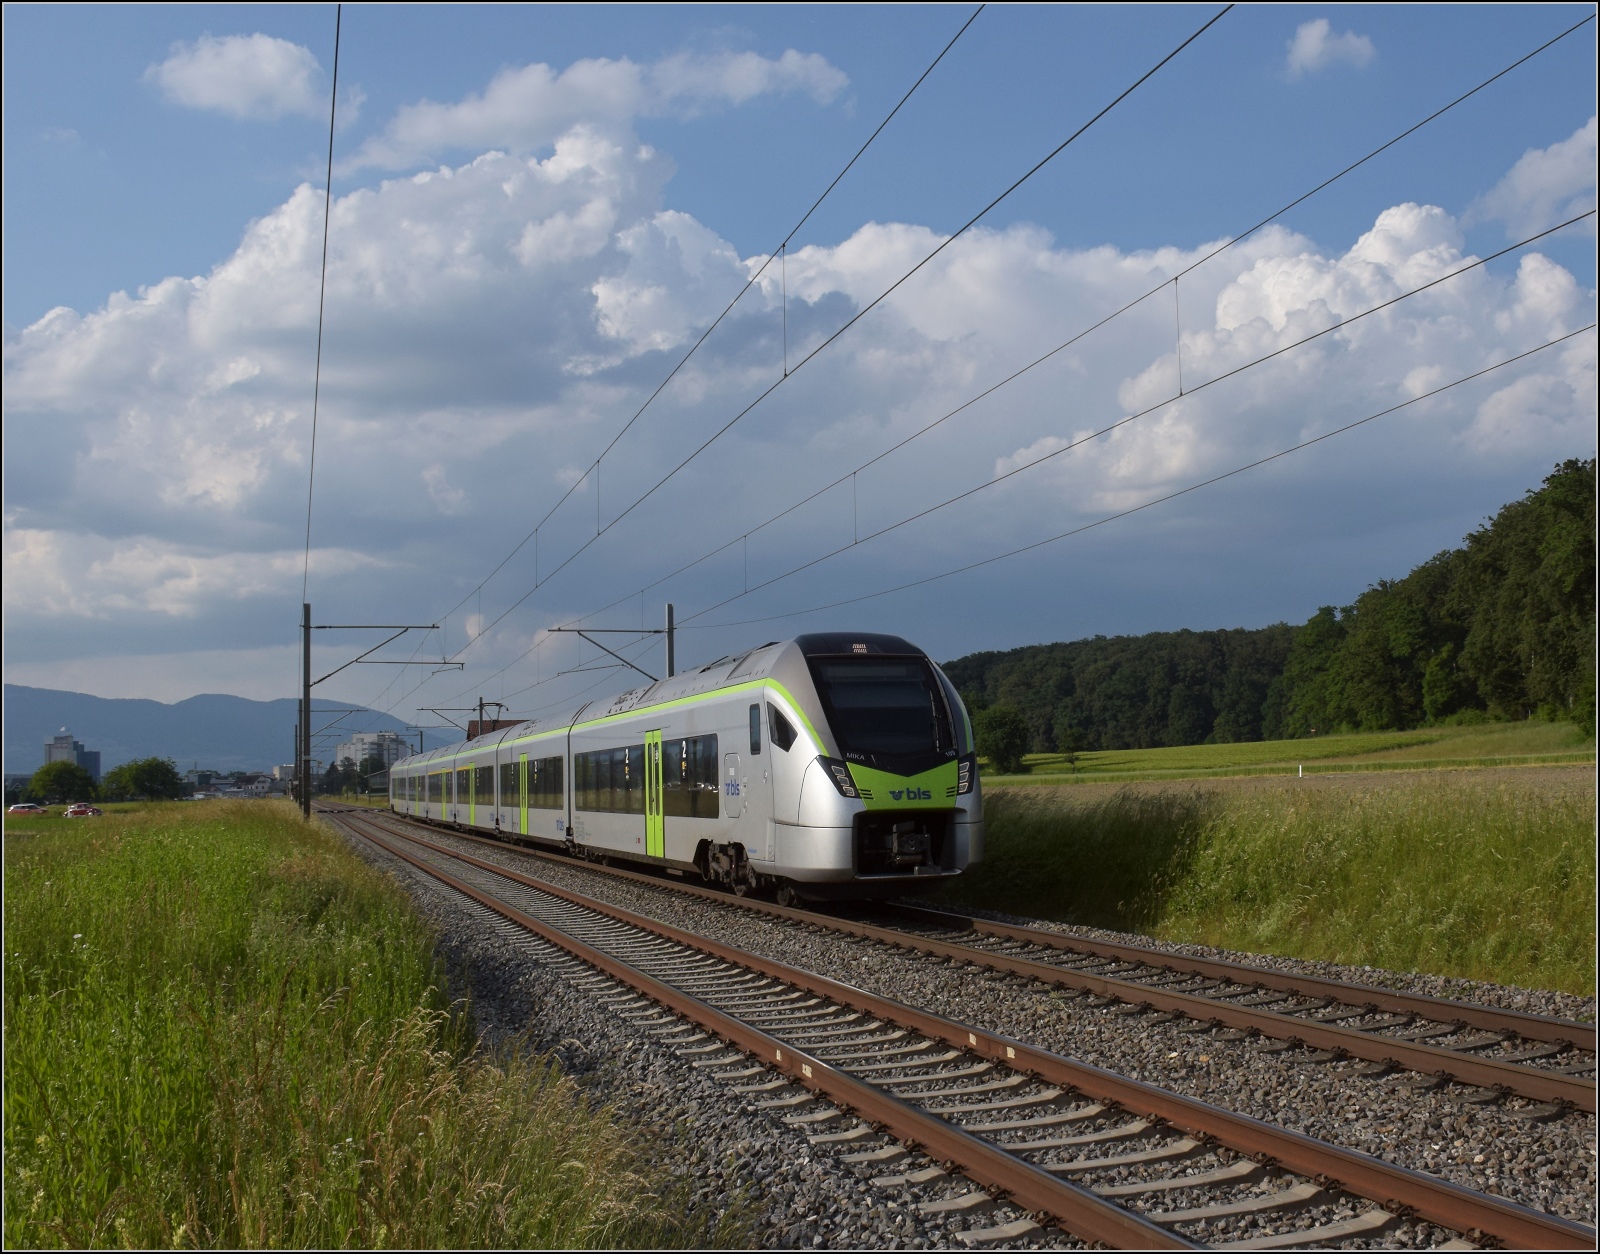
(889, 706)
(755, 730)
(779, 728)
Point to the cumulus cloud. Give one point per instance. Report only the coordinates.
(244, 76)
(528, 107)
(492, 324)
(1315, 47)
(1546, 186)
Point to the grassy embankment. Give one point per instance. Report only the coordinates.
(1483, 744)
(1485, 875)
(223, 1029)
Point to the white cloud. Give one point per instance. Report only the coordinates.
(244, 76)
(1546, 186)
(1315, 47)
(492, 324)
(58, 573)
(528, 107)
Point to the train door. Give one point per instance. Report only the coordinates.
(655, 821)
(522, 788)
(759, 833)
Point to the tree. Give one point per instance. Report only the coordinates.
(1070, 740)
(144, 779)
(61, 781)
(339, 778)
(1002, 737)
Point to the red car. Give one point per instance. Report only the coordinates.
(26, 807)
(81, 810)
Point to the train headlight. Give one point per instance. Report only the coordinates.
(966, 774)
(839, 773)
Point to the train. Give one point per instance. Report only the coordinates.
(830, 766)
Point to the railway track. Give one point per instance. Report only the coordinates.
(1498, 1053)
(1056, 1143)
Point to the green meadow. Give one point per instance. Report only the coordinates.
(224, 1029)
(1480, 744)
(1481, 874)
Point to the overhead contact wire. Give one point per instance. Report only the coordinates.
(1038, 361)
(727, 426)
(706, 334)
(1143, 413)
(1231, 242)
(1160, 500)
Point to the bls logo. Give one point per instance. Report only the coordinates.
(911, 794)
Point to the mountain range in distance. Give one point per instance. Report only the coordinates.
(214, 731)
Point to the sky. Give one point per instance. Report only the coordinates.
(538, 211)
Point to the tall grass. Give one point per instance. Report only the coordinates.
(223, 1029)
(1484, 878)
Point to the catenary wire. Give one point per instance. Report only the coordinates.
(749, 283)
(694, 348)
(1038, 361)
(685, 622)
(831, 339)
(1437, 113)
(1128, 418)
(322, 295)
(1160, 500)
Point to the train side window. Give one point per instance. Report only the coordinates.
(779, 728)
(755, 730)
(509, 792)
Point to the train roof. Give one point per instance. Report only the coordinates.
(782, 656)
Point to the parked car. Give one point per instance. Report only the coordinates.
(81, 810)
(26, 807)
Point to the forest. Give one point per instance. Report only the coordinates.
(1501, 628)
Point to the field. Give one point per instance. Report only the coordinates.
(1484, 874)
(223, 1029)
(1481, 744)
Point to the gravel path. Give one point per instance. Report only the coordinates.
(764, 1183)
(1550, 1166)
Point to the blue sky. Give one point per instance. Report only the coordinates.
(484, 344)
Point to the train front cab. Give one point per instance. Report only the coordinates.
(889, 800)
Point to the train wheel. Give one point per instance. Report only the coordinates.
(786, 896)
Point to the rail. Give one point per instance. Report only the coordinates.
(1328, 1169)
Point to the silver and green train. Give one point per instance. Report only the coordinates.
(826, 766)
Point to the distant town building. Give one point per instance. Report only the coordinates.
(199, 780)
(63, 748)
(387, 746)
(284, 773)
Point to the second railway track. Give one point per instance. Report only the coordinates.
(1499, 1053)
(1100, 1155)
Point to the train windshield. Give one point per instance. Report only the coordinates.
(884, 706)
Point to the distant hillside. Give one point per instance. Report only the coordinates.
(1503, 627)
(217, 731)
